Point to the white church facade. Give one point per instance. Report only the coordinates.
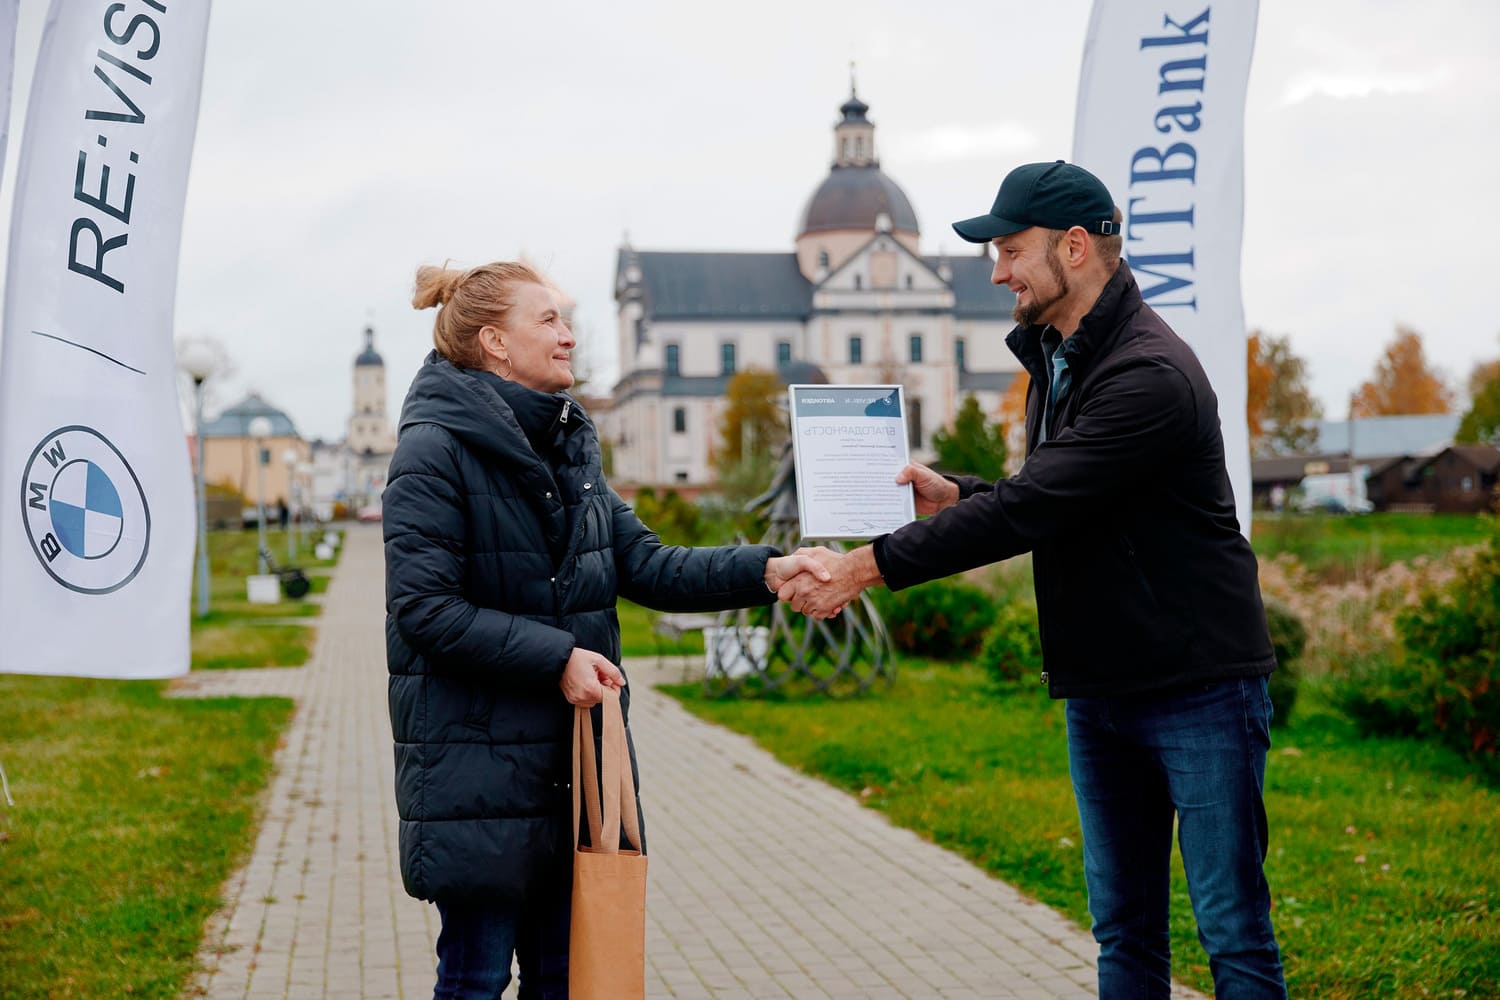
(855, 297)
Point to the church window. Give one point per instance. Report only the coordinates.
(908, 281)
(856, 349)
(823, 259)
(914, 425)
(784, 352)
(959, 347)
(674, 359)
(679, 420)
(916, 348)
(859, 147)
(859, 282)
(726, 358)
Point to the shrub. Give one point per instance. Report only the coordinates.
(942, 619)
(1013, 651)
(674, 519)
(1288, 640)
(1381, 697)
(1444, 680)
(1452, 638)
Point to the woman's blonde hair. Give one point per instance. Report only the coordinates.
(467, 301)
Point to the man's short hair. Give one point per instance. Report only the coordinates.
(1109, 247)
(1106, 248)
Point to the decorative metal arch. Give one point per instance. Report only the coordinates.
(772, 650)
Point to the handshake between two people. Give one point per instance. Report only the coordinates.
(815, 581)
(820, 583)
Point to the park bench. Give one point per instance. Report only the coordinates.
(672, 628)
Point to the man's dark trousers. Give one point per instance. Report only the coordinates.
(1199, 753)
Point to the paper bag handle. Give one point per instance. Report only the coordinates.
(616, 806)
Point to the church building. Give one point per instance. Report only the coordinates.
(854, 296)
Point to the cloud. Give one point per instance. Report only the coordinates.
(1354, 86)
(945, 143)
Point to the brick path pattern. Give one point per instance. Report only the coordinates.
(764, 883)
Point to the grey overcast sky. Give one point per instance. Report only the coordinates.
(342, 143)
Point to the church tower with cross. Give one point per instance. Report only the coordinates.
(369, 431)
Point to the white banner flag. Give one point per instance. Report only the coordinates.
(1161, 121)
(9, 9)
(96, 511)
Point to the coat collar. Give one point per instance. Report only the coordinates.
(1096, 332)
(477, 408)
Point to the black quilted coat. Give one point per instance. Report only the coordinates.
(499, 560)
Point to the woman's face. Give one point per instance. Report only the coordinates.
(536, 342)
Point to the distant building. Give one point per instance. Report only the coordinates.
(1459, 479)
(1377, 444)
(230, 456)
(855, 296)
(353, 472)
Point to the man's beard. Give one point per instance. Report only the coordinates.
(1027, 315)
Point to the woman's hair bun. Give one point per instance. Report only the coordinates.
(435, 286)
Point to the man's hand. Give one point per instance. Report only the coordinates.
(586, 676)
(848, 575)
(933, 492)
(781, 569)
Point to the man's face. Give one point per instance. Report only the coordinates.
(1027, 263)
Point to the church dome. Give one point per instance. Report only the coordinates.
(369, 356)
(854, 197)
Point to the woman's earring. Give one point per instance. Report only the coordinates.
(509, 368)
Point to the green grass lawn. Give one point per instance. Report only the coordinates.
(130, 812)
(236, 633)
(1383, 860)
(637, 639)
(1342, 547)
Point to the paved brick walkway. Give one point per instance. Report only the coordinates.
(764, 883)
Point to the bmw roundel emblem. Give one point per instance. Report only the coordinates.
(86, 514)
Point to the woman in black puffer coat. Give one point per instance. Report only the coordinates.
(505, 553)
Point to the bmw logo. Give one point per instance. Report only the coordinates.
(86, 514)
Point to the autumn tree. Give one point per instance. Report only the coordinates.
(1481, 423)
(1012, 417)
(752, 433)
(1404, 382)
(974, 447)
(1279, 406)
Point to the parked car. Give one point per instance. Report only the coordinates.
(369, 514)
(1335, 505)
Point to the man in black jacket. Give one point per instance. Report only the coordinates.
(1147, 594)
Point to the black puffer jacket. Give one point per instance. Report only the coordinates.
(1143, 580)
(497, 564)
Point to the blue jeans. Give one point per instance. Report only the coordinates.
(477, 941)
(1199, 754)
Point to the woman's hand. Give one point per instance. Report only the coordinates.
(782, 569)
(586, 676)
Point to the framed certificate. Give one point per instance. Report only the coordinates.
(848, 443)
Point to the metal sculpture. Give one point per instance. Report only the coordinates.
(769, 650)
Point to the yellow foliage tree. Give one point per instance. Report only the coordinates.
(752, 432)
(1404, 382)
(1258, 376)
(1279, 406)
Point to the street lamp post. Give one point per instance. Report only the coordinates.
(289, 458)
(305, 492)
(199, 362)
(260, 429)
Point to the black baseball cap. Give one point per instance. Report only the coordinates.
(1050, 195)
